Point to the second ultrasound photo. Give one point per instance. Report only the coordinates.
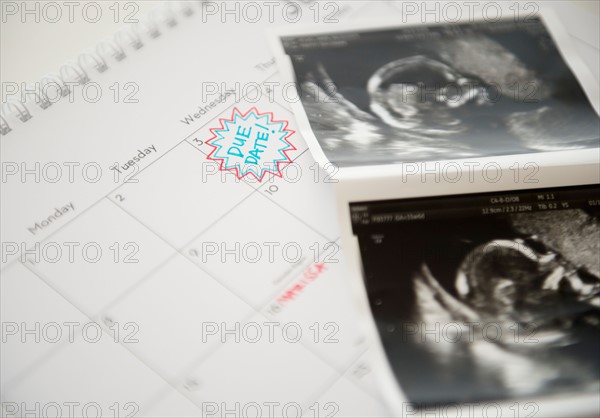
(486, 297)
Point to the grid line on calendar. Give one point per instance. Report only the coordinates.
(184, 255)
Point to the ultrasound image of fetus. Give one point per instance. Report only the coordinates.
(445, 98)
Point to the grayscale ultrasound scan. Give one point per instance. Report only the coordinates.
(440, 92)
(486, 296)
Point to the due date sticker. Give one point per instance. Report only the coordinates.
(251, 144)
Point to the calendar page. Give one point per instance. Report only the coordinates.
(158, 257)
(141, 276)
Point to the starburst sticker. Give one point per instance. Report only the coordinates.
(251, 144)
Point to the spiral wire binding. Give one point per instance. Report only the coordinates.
(91, 60)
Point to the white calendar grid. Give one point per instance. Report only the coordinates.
(170, 291)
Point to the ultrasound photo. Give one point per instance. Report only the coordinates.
(486, 297)
(440, 92)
